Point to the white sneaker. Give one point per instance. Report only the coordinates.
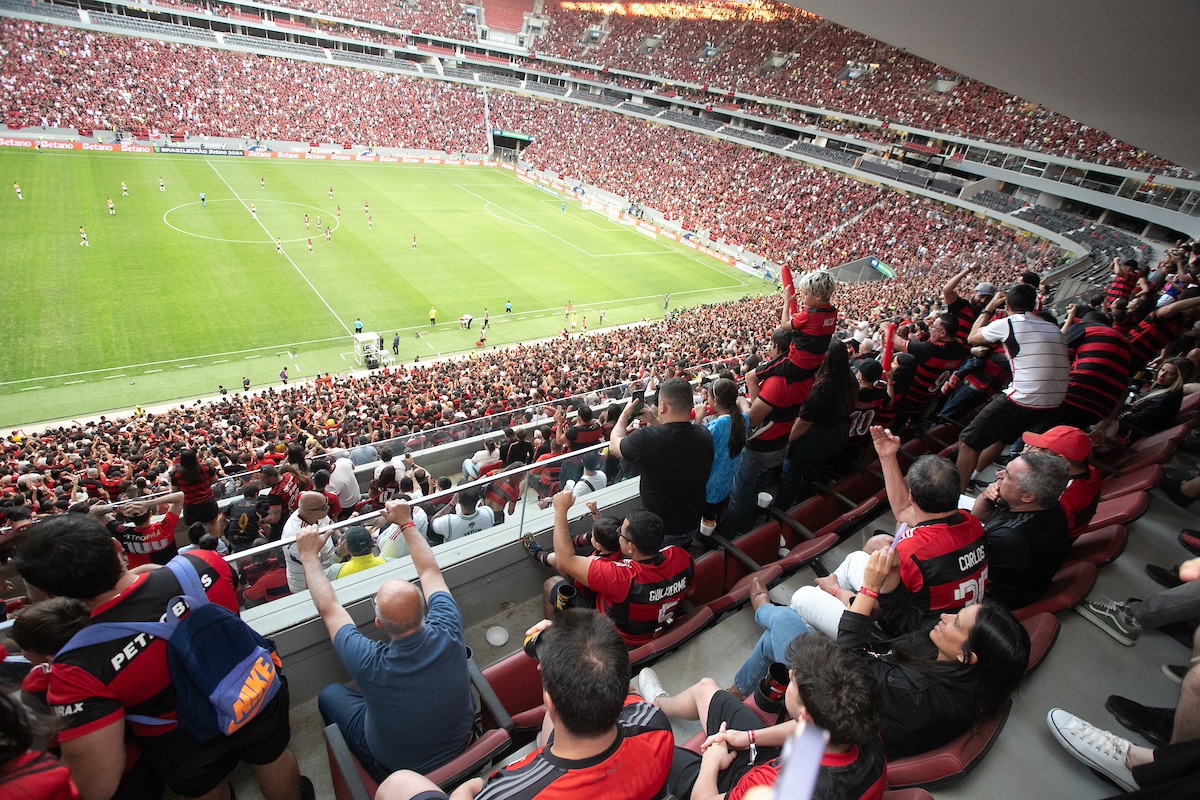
(651, 687)
(1099, 749)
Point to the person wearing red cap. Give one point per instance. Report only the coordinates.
(1082, 495)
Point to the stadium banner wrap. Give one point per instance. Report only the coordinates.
(197, 151)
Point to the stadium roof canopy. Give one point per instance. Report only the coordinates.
(1131, 69)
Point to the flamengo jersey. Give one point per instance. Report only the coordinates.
(965, 314)
(94, 686)
(635, 767)
(943, 563)
(1120, 288)
(1099, 377)
(640, 596)
(866, 409)
(936, 362)
(153, 544)
(1151, 336)
(812, 330)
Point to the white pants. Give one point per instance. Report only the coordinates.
(823, 611)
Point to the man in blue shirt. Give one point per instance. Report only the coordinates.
(416, 680)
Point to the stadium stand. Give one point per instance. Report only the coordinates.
(997, 201)
(506, 15)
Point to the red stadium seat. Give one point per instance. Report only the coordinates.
(948, 762)
(1142, 480)
(803, 553)
(518, 684)
(1119, 511)
(1099, 547)
(679, 634)
(350, 780)
(1043, 631)
(1070, 585)
(708, 582)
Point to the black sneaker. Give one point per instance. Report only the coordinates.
(1173, 474)
(1167, 577)
(1176, 672)
(307, 790)
(1156, 724)
(1174, 491)
(1180, 632)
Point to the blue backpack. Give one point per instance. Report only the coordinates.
(223, 672)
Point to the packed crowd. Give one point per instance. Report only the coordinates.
(68, 78)
(894, 85)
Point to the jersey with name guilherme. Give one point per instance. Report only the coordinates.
(641, 597)
(635, 767)
(94, 686)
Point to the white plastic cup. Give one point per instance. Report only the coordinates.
(568, 486)
(707, 526)
(764, 499)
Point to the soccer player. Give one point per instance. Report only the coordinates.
(124, 190)
(584, 325)
(574, 321)
(310, 244)
(253, 211)
(306, 222)
(17, 189)
(112, 210)
(432, 316)
(508, 309)
(331, 191)
(328, 235)
(564, 209)
(339, 211)
(283, 375)
(203, 201)
(318, 223)
(278, 246)
(414, 243)
(567, 311)
(162, 187)
(262, 181)
(602, 315)
(370, 222)
(83, 237)
(366, 208)
(245, 384)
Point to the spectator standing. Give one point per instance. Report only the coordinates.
(675, 457)
(1037, 351)
(1099, 379)
(936, 359)
(419, 675)
(462, 517)
(586, 432)
(244, 518)
(148, 542)
(195, 479)
(93, 688)
(312, 509)
(1025, 527)
(728, 427)
(282, 500)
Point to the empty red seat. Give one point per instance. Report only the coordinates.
(1140, 480)
(948, 762)
(1119, 511)
(1070, 585)
(739, 593)
(518, 683)
(1043, 631)
(800, 555)
(708, 581)
(350, 780)
(1099, 547)
(676, 636)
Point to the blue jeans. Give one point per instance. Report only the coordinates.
(781, 625)
(751, 478)
(347, 708)
(964, 398)
(816, 447)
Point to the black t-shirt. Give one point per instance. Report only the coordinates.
(675, 460)
(519, 451)
(821, 407)
(1024, 550)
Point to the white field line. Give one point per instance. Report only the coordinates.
(285, 255)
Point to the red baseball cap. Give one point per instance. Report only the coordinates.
(1069, 442)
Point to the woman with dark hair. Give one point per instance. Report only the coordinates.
(822, 430)
(195, 479)
(385, 487)
(25, 772)
(936, 686)
(298, 466)
(728, 426)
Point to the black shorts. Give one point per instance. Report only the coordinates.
(685, 766)
(584, 598)
(193, 769)
(201, 512)
(1001, 420)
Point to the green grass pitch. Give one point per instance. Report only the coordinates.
(172, 299)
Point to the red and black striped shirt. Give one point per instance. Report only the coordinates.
(1121, 287)
(965, 313)
(640, 597)
(812, 330)
(1100, 364)
(936, 361)
(1151, 336)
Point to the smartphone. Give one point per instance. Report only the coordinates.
(900, 531)
(639, 402)
(801, 760)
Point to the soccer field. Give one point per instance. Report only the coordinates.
(172, 298)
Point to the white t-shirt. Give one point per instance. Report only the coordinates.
(456, 525)
(391, 541)
(291, 554)
(343, 483)
(1037, 353)
(589, 483)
